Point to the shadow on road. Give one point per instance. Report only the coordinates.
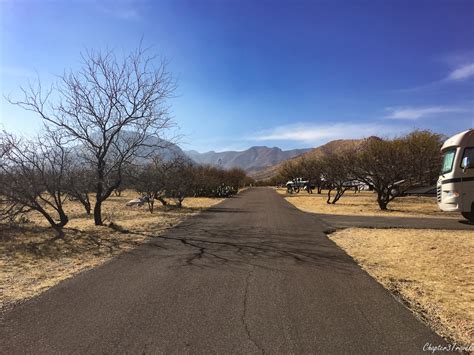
(206, 245)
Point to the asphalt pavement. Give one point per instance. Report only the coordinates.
(250, 275)
(334, 222)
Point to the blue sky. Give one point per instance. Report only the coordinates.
(279, 73)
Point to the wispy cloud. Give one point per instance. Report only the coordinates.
(315, 133)
(462, 73)
(414, 113)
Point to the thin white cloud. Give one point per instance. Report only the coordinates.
(462, 73)
(312, 133)
(414, 113)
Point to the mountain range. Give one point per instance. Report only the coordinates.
(251, 160)
(334, 146)
(259, 162)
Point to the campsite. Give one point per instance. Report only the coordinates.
(236, 177)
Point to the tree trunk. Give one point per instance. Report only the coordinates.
(63, 218)
(87, 207)
(86, 203)
(382, 201)
(151, 203)
(56, 226)
(339, 192)
(99, 197)
(328, 201)
(337, 197)
(98, 213)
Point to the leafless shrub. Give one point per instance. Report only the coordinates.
(179, 178)
(33, 177)
(151, 180)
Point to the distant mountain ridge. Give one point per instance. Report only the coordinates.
(152, 146)
(335, 146)
(251, 160)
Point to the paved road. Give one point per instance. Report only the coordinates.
(252, 275)
(339, 221)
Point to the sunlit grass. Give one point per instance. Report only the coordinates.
(365, 204)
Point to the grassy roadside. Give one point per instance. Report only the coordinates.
(33, 260)
(431, 270)
(364, 204)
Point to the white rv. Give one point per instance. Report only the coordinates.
(455, 189)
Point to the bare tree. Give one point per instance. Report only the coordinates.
(290, 169)
(151, 180)
(33, 174)
(181, 182)
(423, 150)
(382, 165)
(337, 174)
(312, 170)
(9, 209)
(115, 110)
(391, 167)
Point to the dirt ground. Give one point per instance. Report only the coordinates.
(365, 204)
(431, 270)
(32, 259)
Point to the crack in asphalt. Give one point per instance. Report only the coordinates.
(244, 313)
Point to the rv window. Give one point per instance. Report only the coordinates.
(468, 152)
(448, 161)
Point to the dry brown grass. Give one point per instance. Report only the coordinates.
(32, 259)
(432, 270)
(365, 204)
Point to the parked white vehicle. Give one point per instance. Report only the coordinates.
(295, 185)
(455, 188)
